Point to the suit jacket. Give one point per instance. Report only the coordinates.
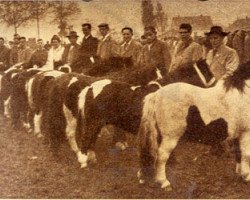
(24, 55)
(107, 48)
(156, 55)
(132, 50)
(65, 55)
(184, 54)
(87, 50)
(4, 58)
(13, 55)
(223, 61)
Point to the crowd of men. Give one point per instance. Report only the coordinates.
(148, 52)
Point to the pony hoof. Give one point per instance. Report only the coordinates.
(120, 146)
(84, 165)
(141, 181)
(92, 157)
(238, 169)
(166, 185)
(168, 189)
(246, 178)
(39, 135)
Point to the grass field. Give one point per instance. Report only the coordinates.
(28, 170)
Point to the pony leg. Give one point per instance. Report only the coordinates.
(71, 127)
(7, 108)
(164, 151)
(245, 156)
(37, 124)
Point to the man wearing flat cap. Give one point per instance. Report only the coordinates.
(107, 47)
(70, 53)
(88, 49)
(222, 60)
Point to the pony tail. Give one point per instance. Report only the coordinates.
(148, 136)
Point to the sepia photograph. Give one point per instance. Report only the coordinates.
(125, 99)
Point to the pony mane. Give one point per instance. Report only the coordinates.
(237, 80)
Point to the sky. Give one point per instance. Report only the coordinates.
(120, 13)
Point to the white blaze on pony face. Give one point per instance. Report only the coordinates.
(134, 87)
(98, 86)
(158, 73)
(13, 75)
(73, 80)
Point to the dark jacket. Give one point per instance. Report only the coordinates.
(74, 58)
(157, 55)
(4, 58)
(88, 49)
(39, 58)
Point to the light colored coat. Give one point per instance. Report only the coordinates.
(107, 48)
(189, 54)
(223, 61)
(132, 50)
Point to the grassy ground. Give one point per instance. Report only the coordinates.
(27, 170)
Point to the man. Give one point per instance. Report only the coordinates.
(107, 47)
(88, 49)
(129, 47)
(24, 52)
(186, 50)
(155, 53)
(39, 57)
(4, 56)
(70, 54)
(14, 50)
(222, 60)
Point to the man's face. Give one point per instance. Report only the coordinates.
(127, 35)
(40, 44)
(72, 40)
(104, 31)
(216, 40)
(150, 36)
(184, 34)
(22, 43)
(55, 44)
(86, 31)
(1, 42)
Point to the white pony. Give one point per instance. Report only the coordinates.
(165, 114)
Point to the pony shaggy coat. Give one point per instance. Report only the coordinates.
(165, 114)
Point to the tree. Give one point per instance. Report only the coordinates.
(63, 12)
(38, 10)
(15, 13)
(161, 18)
(148, 18)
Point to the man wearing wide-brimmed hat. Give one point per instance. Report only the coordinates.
(223, 60)
(71, 51)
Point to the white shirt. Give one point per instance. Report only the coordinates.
(54, 55)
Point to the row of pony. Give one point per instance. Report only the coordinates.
(60, 105)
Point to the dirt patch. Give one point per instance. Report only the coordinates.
(28, 170)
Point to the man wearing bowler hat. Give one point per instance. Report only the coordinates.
(70, 54)
(222, 60)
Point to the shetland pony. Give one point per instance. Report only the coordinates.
(91, 103)
(165, 116)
